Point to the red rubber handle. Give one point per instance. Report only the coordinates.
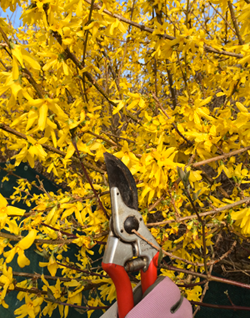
(149, 277)
(124, 293)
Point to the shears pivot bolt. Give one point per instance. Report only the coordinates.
(131, 223)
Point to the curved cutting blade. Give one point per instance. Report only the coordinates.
(121, 178)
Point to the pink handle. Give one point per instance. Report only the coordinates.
(124, 293)
(149, 277)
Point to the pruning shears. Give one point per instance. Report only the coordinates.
(126, 251)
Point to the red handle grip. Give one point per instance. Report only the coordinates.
(149, 277)
(124, 293)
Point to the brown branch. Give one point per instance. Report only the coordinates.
(187, 12)
(32, 290)
(219, 306)
(206, 286)
(82, 270)
(142, 27)
(168, 117)
(115, 78)
(5, 38)
(82, 89)
(92, 81)
(166, 253)
(38, 276)
(3, 45)
(89, 180)
(221, 157)
(50, 148)
(59, 230)
(18, 177)
(222, 17)
(105, 233)
(171, 86)
(73, 58)
(27, 73)
(155, 76)
(177, 257)
(112, 118)
(177, 214)
(43, 189)
(231, 94)
(70, 55)
(151, 207)
(126, 43)
(202, 221)
(218, 210)
(111, 142)
(226, 254)
(31, 80)
(226, 32)
(230, 5)
(211, 181)
(87, 33)
(37, 241)
(98, 87)
(42, 292)
(184, 74)
(115, 136)
(86, 308)
(207, 277)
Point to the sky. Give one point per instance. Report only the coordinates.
(12, 16)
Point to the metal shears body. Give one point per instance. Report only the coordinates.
(125, 251)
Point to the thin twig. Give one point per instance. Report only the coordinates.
(174, 256)
(37, 241)
(231, 94)
(187, 192)
(222, 17)
(177, 214)
(5, 38)
(206, 286)
(221, 157)
(152, 207)
(171, 86)
(230, 5)
(87, 33)
(50, 148)
(111, 142)
(207, 277)
(168, 117)
(219, 306)
(218, 210)
(119, 137)
(86, 308)
(155, 76)
(142, 27)
(89, 180)
(90, 273)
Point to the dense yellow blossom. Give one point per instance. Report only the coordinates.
(162, 85)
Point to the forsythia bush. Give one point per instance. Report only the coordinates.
(162, 85)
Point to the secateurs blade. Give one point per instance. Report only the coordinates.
(125, 250)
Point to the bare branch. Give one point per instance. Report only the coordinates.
(194, 216)
(221, 157)
(142, 27)
(50, 148)
(241, 42)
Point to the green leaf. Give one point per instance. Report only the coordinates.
(50, 294)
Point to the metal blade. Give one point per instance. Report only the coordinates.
(121, 178)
